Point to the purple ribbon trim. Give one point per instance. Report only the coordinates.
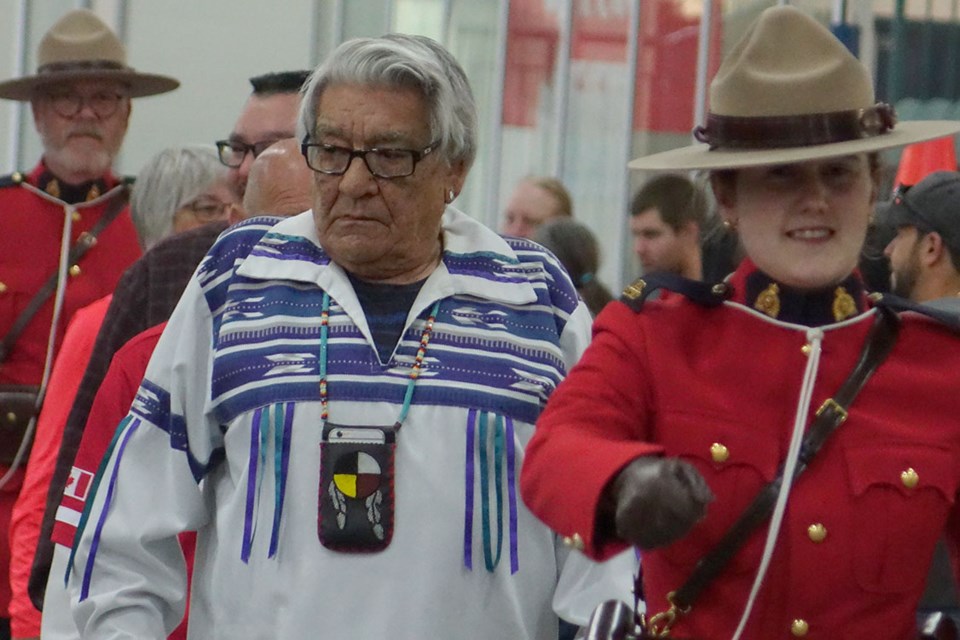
(251, 486)
(95, 543)
(468, 485)
(512, 487)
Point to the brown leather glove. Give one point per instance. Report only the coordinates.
(658, 500)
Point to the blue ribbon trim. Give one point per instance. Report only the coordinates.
(490, 560)
(468, 485)
(85, 515)
(283, 425)
(486, 448)
(95, 543)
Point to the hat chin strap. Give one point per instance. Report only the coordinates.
(802, 130)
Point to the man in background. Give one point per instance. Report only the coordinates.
(924, 259)
(150, 289)
(287, 193)
(268, 115)
(925, 252)
(666, 218)
(535, 200)
(80, 99)
(280, 182)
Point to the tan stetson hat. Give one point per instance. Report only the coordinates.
(790, 91)
(79, 46)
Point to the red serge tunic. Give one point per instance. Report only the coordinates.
(31, 228)
(30, 252)
(720, 387)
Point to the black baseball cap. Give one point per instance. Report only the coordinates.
(933, 204)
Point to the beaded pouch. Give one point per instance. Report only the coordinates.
(356, 504)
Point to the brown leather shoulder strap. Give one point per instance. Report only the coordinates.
(832, 414)
(83, 244)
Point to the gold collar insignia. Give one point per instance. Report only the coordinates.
(768, 301)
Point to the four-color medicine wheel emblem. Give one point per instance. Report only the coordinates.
(357, 475)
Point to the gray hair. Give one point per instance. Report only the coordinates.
(397, 60)
(169, 180)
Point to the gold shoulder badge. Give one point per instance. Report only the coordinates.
(844, 305)
(768, 301)
(635, 289)
(53, 188)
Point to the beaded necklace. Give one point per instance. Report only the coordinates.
(414, 371)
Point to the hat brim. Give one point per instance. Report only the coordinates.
(139, 84)
(700, 156)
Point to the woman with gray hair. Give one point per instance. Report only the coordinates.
(341, 401)
(178, 189)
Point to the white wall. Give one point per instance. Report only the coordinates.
(212, 47)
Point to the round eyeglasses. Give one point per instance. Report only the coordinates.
(67, 105)
(208, 209)
(381, 162)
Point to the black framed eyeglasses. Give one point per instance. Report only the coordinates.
(67, 105)
(232, 152)
(381, 162)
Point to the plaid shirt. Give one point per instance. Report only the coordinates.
(144, 297)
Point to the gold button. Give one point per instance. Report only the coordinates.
(719, 452)
(805, 349)
(817, 532)
(77, 216)
(574, 542)
(719, 289)
(909, 478)
(799, 627)
(75, 270)
(3, 287)
(11, 417)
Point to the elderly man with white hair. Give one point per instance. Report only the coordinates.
(340, 403)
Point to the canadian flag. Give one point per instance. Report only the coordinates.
(78, 484)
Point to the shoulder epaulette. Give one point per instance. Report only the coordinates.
(702, 293)
(11, 180)
(949, 319)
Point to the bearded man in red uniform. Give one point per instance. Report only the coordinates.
(65, 231)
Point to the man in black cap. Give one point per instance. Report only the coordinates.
(66, 216)
(924, 258)
(925, 252)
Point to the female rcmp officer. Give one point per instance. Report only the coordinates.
(681, 411)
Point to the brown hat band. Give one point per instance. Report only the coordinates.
(82, 65)
(778, 132)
